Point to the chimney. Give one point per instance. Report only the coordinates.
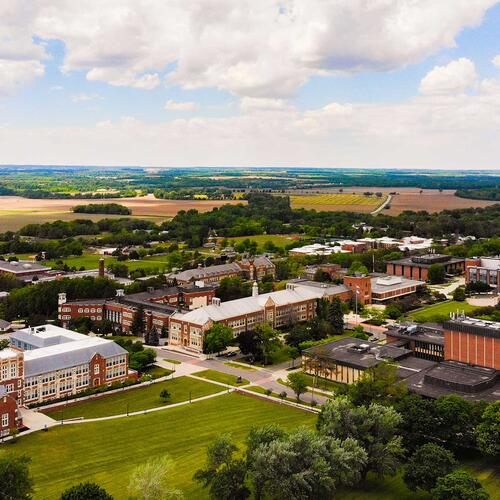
(215, 301)
(255, 289)
(120, 292)
(101, 267)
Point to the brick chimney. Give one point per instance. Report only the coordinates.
(101, 267)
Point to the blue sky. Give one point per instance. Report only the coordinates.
(313, 83)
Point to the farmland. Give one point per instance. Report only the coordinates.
(337, 202)
(16, 212)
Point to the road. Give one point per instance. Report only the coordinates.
(263, 377)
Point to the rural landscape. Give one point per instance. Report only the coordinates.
(250, 250)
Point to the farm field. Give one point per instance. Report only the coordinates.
(137, 399)
(33, 211)
(337, 202)
(409, 198)
(440, 312)
(280, 240)
(107, 452)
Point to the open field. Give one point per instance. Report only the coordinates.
(137, 399)
(107, 452)
(337, 202)
(440, 312)
(280, 240)
(16, 211)
(409, 198)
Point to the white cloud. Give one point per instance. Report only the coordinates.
(255, 48)
(85, 97)
(180, 106)
(452, 131)
(457, 76)
(56, 87)
(496, 61)
(15, 73)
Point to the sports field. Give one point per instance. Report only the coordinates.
(354, 202)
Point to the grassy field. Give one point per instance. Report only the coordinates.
(440, 312)
(224, 378)
(107, 452)
(337, 202)
(137, 399)
(280, 240)
(240, 366)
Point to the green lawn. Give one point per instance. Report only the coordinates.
(440, 312)
(280, 240)
(224, 378)
(156, 371)
(240, 366)
(140, 398)
(107, 452)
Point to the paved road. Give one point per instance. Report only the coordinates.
(264, 377)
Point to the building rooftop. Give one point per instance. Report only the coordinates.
(8, 353)
(429, 333)
(427, 260)
(46, 335)
(473, 325)
(206, 272)
(357, 353)
(388, 283)
(326, 288)
(23, 266)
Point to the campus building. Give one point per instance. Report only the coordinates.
(158, 306)
(484, 270)
(58, 362)
(285, 307)
(24, 270)
(417, 267)
(252, 268)
(11, 389)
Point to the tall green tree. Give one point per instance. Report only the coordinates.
(217, 338)
(15, 479)
(436, 274)
(154, 339)
(86, 491)
(223, 474)
(374, 427)
(427, 465)
(459, 485)
(336, 316)
(298, 383)
(138, 328)
(488, 431)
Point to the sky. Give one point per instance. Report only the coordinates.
(326, 83)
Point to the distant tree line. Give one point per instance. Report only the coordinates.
(102, 208)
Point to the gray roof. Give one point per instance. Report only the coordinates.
(22, 266)
(206, 272)
(4, 324)
(59, 357)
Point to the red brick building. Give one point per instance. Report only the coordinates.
(417, 267)
(473, 342)
(484, 270)
(11, 389)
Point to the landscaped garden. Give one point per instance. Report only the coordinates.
(136, 399)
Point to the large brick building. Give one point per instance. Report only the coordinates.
(484, 270)
(158, 305)
(285, 307)
(417, 267)
(11, 389)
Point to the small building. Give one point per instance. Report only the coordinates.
(417, 267)
(23, 270)
(5, 326)
(483, 270)
(316, 249)
(329, 290)
(334, 271)
(210, 274)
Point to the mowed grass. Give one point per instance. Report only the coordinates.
(280, 240)
(137, 399)
(223, 378)
(107, 452)
(331, 201)
(440, 312)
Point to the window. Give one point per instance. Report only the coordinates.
(96, 369)
(5, 420)
(13, 370)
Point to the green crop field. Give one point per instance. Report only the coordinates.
(440, 312)
(137, 399)
(334, 202)
(107, 452)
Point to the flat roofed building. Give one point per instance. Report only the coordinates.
(23, 269)
(385, 288)
(425, 341)
(473, 341)
(210, 274)
(484, 270)
(346, 359)
(417, 267)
